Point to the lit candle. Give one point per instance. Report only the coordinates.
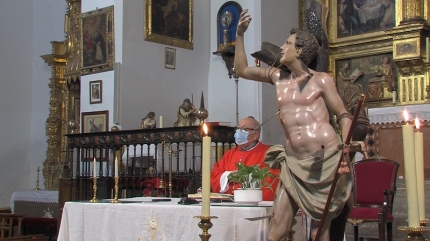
(206, 157)
(94, 168)
(116, 166)
(394, 97)
(161, 121)
(410, 172)
(419, 159)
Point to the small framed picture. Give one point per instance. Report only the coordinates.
(96, 91)
(95, 121)
(170, 58)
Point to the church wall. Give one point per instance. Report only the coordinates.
(146, 85)
(275, 29)
(26, 27)
(222, 89)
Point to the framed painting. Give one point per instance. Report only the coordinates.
(351, 20)
(96, 121)
(169, 22)
(170, 58)
(96, 92)
(373, 75)
(97, 46)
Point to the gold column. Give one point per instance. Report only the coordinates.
(52, 166)
(411, 51)
(412, 11)
(64, 102)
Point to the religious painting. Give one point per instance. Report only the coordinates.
(169, 22)
(374, 76)
(96, 121)
(96, 92)
(407, 49)
(170, 58)
(97, 46)
(352, 19)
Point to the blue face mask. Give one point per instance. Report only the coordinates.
(241, 137)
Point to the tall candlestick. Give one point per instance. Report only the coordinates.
(410, 173)
(419, 159)
(206, 159)
(94, 168)
(161, 125)
(116, 166)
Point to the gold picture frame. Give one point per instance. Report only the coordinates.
(97, 45)
(372, 83)
(347, 24)
(96, 92)
(166, 26)
(96, 121)
(170, 58)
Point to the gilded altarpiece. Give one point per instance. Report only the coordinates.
(64, 104)
(381, 49)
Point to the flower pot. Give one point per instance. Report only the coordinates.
(248, 196)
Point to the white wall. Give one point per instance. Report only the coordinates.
(145, 84)
(222, 90)
(26, 27)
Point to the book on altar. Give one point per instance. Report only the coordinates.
(218, 123)
(213, 196)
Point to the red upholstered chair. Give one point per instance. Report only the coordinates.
(374, 189)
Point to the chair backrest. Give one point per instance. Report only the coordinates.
(371, 178)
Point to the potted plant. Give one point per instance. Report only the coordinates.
(252, 179)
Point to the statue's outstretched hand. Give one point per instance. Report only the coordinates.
(243, 23)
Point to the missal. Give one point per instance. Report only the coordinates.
(214, 196)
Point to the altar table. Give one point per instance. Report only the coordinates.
(148, 220)
(34, 203)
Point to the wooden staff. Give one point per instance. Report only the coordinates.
(336, 175)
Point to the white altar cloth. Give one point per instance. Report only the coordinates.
(41, 196)
(162, 220)
(395, 113)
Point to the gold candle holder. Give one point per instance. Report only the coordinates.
(205, 224)
(94, 200)
(424, 222)
(37, 180)
(415, 233)
(115, 199)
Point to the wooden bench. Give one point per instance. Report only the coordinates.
(7, 221)
(36, 237)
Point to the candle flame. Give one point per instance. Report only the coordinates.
(406, 115)
(205, 129)
(417, 123)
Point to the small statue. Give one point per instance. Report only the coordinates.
(149, 121)
(186, 114)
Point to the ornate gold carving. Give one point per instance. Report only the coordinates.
(354, 221)
(64, 82)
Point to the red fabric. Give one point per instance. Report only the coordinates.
(228, 163)
(365, 174)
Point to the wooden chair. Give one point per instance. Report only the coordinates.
(7, 224)
(374, 189)
(35, 237)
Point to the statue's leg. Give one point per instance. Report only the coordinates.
(284, 210)
(325, 231)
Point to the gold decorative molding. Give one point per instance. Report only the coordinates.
(64, 95)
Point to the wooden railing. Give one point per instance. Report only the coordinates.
(153, 162)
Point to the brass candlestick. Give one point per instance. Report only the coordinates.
(415, 233)
(37, 180)
(115, 199)
(205, 224)
(94, 200)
